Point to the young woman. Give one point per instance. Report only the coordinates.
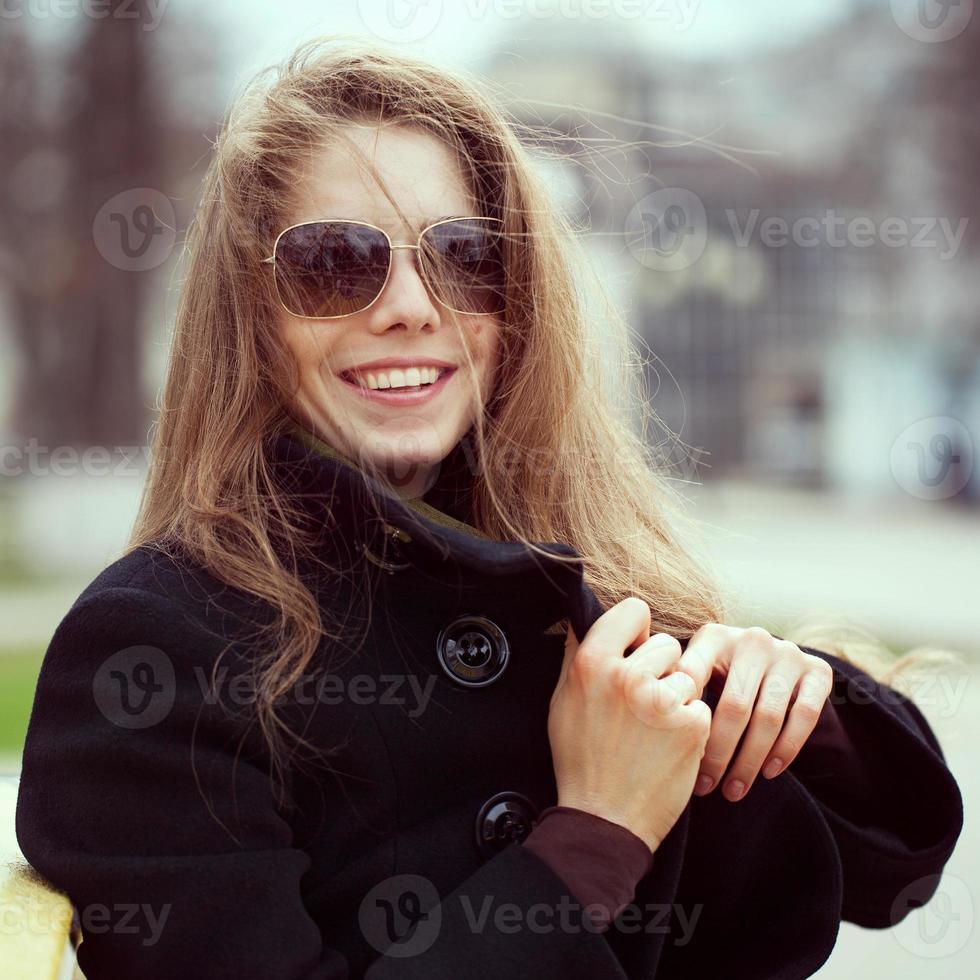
(406, 672)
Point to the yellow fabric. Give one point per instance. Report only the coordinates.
(34, 933)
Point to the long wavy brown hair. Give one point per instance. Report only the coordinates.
(570, 388)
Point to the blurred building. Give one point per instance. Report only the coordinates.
(817, 318)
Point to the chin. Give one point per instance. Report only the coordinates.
(400, 452)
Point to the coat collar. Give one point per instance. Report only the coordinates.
(354, 515)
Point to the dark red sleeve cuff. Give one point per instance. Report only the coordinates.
(601, 862)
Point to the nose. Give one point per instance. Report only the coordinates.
(405, 299)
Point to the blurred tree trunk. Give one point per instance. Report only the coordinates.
(76, 314)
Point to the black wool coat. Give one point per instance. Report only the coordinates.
(145, 790)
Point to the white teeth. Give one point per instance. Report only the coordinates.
(412, 377)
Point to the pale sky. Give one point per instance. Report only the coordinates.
(456, 32)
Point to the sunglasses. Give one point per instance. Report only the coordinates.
(329, 269)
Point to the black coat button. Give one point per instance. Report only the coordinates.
(473, 650)
(392, 558)
(504, 819)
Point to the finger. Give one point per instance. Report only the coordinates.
(571, 648)
(730, 718)
(624, 625)
(765, 725)
(811, 695)
(657, 705)
(655, 655)
(709, 646)
(648, 662)
(683, 684)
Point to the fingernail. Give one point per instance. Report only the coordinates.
(735, 789)
(774, 766)
(704, 784)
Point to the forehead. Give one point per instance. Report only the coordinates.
(420, 172)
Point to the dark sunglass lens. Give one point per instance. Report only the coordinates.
(465, 264)
(330, 268)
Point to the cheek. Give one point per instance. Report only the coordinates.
(486, 353)
(493, 348)
(486, 344)
(309, 350)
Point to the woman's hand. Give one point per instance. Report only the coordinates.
(625, 743)
(763, 677)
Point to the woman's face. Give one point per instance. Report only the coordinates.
(403, 437)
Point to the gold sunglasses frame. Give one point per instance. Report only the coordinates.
(420, 266)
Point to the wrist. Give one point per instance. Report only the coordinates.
(615, 818)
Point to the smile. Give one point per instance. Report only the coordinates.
(411, 386)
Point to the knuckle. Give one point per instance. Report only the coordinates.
(791, 745)
(756, 636)
(588, 661)
(769, 716)
(665, 640)
(625, 675)
(712, 630)
(808, 712)
(733, 706)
